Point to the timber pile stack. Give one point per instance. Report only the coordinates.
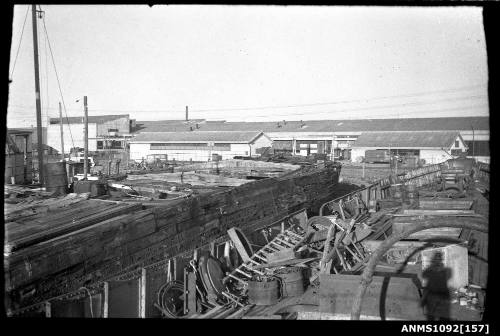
(114, 245)
(191, 178)
(14, 194)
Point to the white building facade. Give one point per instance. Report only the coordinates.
(431, 147)
(196, 146)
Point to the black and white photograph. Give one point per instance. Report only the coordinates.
(252, 162)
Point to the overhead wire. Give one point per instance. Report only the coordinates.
(300, 113)
(19, 46)
(376, 107)
(418, 94)
(57, 79)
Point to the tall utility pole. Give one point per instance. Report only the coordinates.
(473, 141)
(38, 102)
(61, 126)
(85, 139)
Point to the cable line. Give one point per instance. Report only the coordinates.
(57, 78)
(418, 94)
(19, 46)
(343, 110)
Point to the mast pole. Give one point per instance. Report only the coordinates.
(86, 140)
(38, 102)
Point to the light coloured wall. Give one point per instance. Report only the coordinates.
(461, 145)
(431, 156)
(138, 151)
(356, 153)
(242, 149)
(262, 141)
(485, 159)
(73, 139)
(434, 156)
(479, 135)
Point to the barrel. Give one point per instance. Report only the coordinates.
(263, 293)
(56, 179)
(292, 281)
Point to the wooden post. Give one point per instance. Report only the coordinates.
(175, 268)
(142, 294)
(86, 139)
(105, 306)
(48, 309)
(212, 249)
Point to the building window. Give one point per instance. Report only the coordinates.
(178, 146)
(112, 130)
(221, 147)
(99, 145)
(457, 143)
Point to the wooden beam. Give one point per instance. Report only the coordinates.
(238, 243)
(142, 294)
(105, 308)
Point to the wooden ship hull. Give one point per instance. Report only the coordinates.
(94, 240)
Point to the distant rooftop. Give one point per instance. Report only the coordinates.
(91, 119)
(407, 139)
(197, 137)
(352, 125)
(19, 130)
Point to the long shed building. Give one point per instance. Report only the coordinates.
(335, 137)
(197, 146)
(433, 147)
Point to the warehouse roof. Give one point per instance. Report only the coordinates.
(352, 125)
(197, 137)
(407, 139)
(91, 119)
(19, 131)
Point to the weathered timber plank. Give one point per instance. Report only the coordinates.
(463, 204)
(73, 226)
(41, 222)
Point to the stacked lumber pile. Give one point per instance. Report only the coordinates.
(14, 194)
(191, 178)
(33, 224)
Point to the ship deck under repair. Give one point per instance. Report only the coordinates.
(409, 247)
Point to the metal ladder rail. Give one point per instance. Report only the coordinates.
(245, 271)
(259, 257)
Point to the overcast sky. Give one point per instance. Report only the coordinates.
(252, 62)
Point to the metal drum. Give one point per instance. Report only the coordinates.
(263, 293)
(56, 179)
(292, 281)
